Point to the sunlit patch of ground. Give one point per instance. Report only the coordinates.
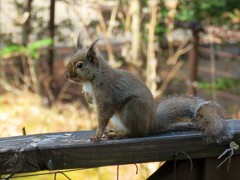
(28, 111)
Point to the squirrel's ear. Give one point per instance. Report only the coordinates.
(80, 41)
(91, 54)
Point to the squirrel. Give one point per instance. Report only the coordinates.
(124, 99)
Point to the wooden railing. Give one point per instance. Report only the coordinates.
(67, 150)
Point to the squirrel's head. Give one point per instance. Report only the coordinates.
(83, 65)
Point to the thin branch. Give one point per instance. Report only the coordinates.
(113, 18)
(82, 23)
(104, 29)
(9, 88)
(182, 49)
(21, 76)
(212, 67)
(168, 79)
(151, 59)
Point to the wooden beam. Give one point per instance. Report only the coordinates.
(196, 28)
(67, 150)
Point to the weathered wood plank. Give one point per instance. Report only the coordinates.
(67, 150)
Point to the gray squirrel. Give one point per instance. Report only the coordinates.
(124, 99)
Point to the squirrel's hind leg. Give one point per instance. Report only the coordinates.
(137, 117)
(115, 134)
(115, 129)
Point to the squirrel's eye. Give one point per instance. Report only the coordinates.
(79, 65)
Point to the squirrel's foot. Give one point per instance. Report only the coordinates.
(114, 135)
(88, 97)
(95, 139)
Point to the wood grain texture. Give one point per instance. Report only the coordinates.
(67, 150)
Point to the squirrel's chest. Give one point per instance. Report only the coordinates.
(88, 87)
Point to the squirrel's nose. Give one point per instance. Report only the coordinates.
(67, 74)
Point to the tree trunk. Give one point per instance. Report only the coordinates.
(51, 29)
(136, 34)
(171, 5)
(151, 58)
(51, 35)
(23, 64)
(27, 23)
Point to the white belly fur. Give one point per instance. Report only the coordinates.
(87, 87)
(116, 122)
(115, 119)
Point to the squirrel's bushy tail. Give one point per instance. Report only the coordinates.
(210, 119)
(195, 113)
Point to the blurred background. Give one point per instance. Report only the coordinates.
(175, 46)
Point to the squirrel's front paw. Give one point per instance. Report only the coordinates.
(95, 139)
(88, 97)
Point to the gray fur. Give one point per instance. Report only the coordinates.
(118, 91)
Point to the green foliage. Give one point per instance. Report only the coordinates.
(205, 10)
(30, 50)
(11, 49)
(33, 47)
(161, 28)
(224, 12)
(198, 10)
(221, 84)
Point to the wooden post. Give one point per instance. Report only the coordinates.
(193, 57)
(193, 64)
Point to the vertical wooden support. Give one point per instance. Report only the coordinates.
(211, 173)
(193, 63)
(203, 169)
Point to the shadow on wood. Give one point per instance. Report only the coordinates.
(183, 170)
(202, 169)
